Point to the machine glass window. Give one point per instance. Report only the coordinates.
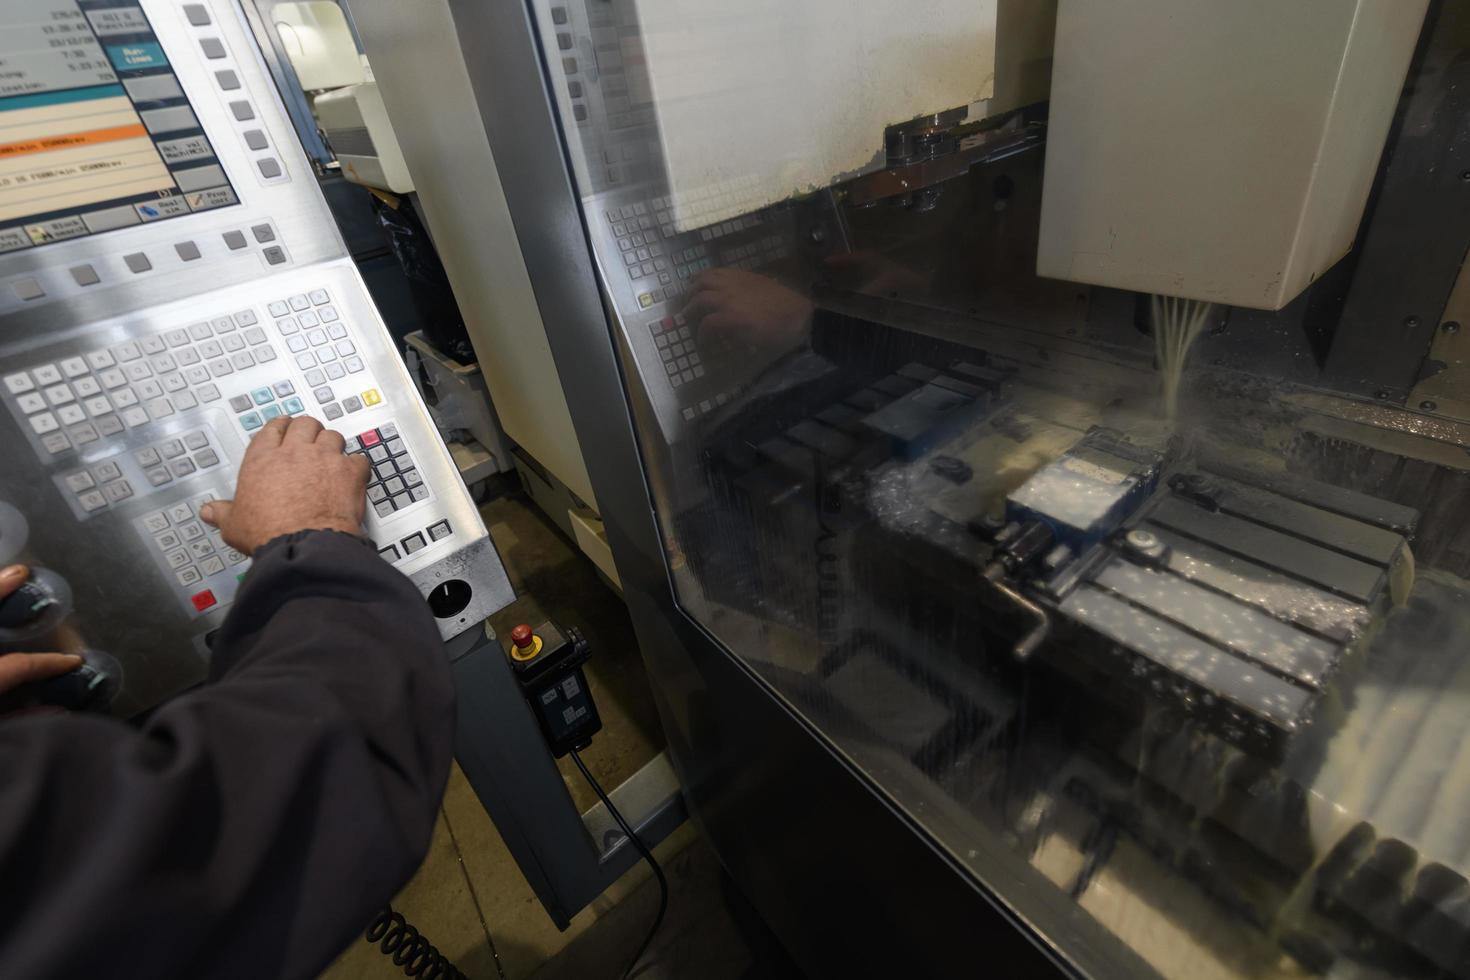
(1074, 429)
(96, 132)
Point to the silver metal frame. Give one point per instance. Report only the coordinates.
(846, 879)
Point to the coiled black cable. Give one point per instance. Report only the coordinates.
(638, 845)
(396, 937)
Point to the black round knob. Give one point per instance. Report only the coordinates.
(25, 605)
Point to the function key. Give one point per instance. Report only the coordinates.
(368, 439)
(414, 542)
(440, 531)
(197, 13)
(390, 552)
(284, 388)
(203, 600)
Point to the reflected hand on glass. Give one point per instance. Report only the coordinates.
(19, 669)
(742, 310)
(875, 274)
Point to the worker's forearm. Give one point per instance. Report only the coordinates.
(263, 816)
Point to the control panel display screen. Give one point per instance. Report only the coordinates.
(96, 133)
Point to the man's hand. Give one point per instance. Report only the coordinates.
(294, 478)
(745, 310)
(20, 669)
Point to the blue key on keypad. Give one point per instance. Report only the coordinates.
(262, 396)
(251, 421)
(294, 406)
(270, 412)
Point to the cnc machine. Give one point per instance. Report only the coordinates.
(969, 648)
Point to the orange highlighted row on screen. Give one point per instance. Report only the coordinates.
(72, 140)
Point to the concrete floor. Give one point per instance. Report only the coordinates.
(471, 899)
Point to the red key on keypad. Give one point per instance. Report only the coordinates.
(203, 600)
(369, 438)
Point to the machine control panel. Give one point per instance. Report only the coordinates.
(141, 352)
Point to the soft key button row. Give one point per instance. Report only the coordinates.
(416, 542)
(191, 550)
(395, 482)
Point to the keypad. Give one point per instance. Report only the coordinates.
(131, 475)
(395, 482)
(322, 347)
(101, 393)
(674, 339)
(192, 552)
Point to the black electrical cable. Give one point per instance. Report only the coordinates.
(663, 884)
(418, 957)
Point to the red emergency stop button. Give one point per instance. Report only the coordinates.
(203, 600)
(526, 643)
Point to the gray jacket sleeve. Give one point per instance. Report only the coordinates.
(251, 827)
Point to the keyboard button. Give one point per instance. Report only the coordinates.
(148, 457)
(243, 361)
(271, 412)
(222, 325)
(184, 401)
(319, 296)
(383, 508)
(207, 459)
(196, 441)
(335, 371)
(46, 374)
(299, 303)
(92, 500)
(79, 481)
(56, 442)
(187, 357)
(201, 331)
(221, 368)
(182, 467)
(159, 476)
(74, 367)
(250, 422)
(124, 352)
(118, 491)
(354, 364)
(278, 308)
(293, 406)
(413, 543)
(100, 359)
(262, 396)
(352, 404)
(153, 345)
(207, 393)
(135, 416)
(324, 395)
(333, 412)
(97, 406)
(264, 355)
(296, 344)
(31, 402)
(440, 531)
(283, 389)
(246, 318)
(109, 425)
